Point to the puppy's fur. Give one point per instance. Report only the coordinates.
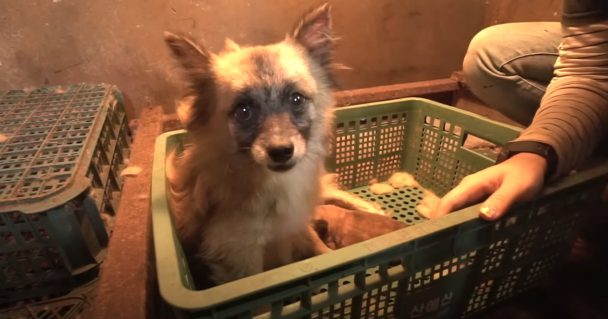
(338, 227)
(258, 118)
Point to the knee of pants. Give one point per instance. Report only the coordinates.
(482, 60)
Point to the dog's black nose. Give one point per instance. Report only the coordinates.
(280, 154)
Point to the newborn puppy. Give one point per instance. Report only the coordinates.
(338, 227)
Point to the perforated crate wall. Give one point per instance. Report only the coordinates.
(368, 147)
(374, 143)
(64, 307)
(429, 145)
(61, 153)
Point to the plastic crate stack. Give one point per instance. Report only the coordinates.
(61, 153)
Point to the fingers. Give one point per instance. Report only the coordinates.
(498, 203)
(517, 179)
(513, 189)
(472, 189)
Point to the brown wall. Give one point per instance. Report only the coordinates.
(503, 11)
(384, 41)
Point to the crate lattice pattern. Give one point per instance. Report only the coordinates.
(515, 261)
(369, 148)
(438, 167)
(65, 307)
(47, 135)
(505, 253)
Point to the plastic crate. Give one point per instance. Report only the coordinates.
(65, 307)
(451, 267)
(62, 152)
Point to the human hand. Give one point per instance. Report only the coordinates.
(519, 178)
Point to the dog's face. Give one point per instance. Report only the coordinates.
(264, 100)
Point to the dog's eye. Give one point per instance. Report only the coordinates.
(296, 99)
(243, 113)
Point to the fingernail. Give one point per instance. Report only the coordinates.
(487, 211)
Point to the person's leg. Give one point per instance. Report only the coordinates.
(508, 66)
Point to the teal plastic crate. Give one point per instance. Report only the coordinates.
(61, 154)
(65, 307)
(451, 267)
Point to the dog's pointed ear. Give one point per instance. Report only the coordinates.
(193, 58)
(230, 45)
(196, 62)
(184, 109)
(314, 32)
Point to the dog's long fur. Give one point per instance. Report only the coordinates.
(233, 214)
(236, 209)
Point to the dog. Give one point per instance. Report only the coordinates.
(258, 119)
(339, 227)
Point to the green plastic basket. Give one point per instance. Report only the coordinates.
(60, 160)
(454, 266)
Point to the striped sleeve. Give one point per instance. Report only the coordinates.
(573, 114)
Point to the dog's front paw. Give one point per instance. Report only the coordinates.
(373, 208)
(333, 195)
(370, 207)
(350, 201)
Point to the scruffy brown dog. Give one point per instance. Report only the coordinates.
(244, 189)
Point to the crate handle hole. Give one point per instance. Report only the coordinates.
(475, 143)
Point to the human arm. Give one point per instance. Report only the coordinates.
(572, 119)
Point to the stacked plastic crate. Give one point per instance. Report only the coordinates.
(61, 153)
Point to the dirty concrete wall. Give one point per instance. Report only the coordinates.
(504, 11)
(48, 42)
